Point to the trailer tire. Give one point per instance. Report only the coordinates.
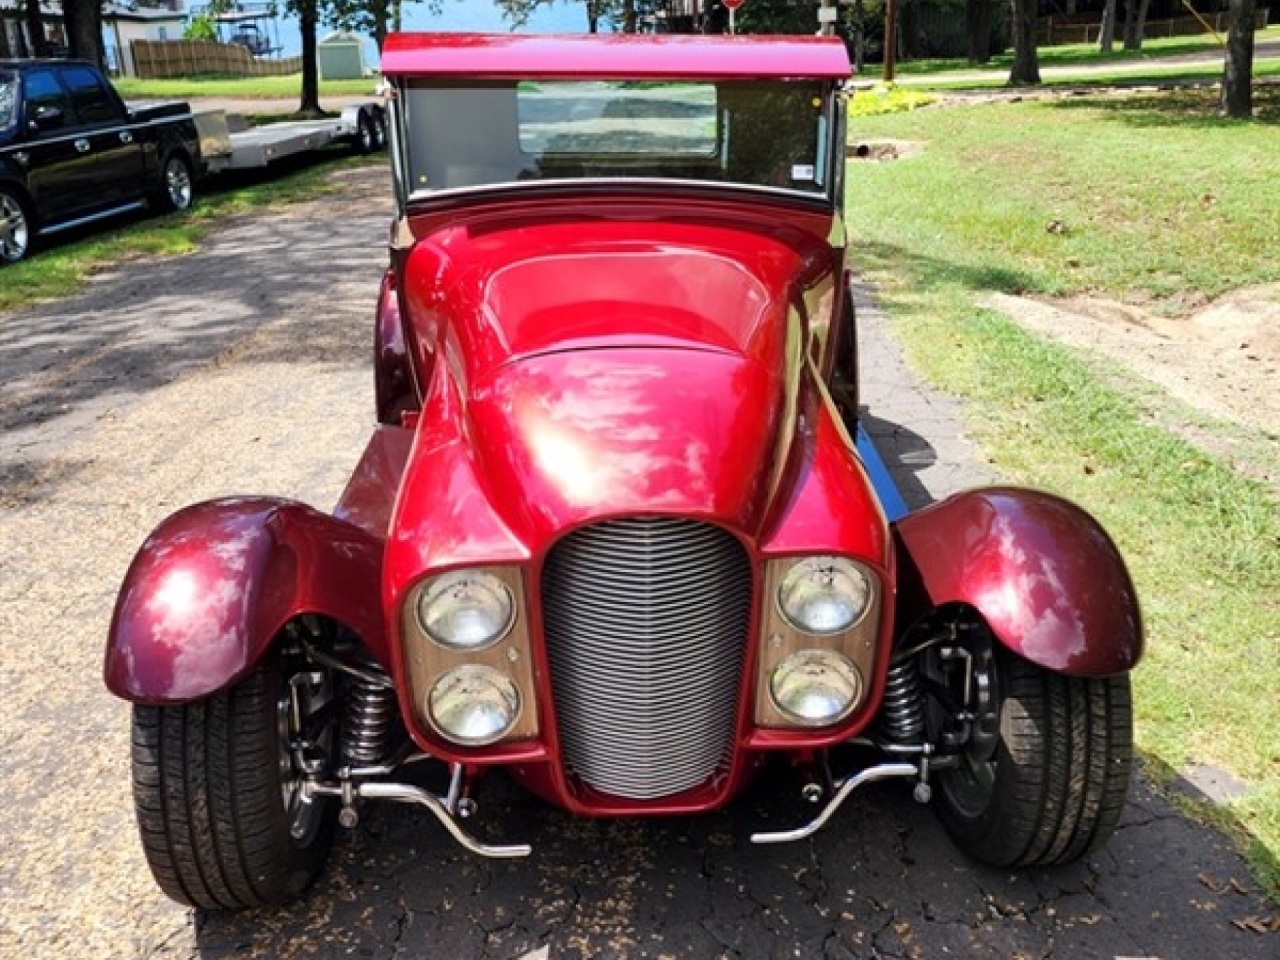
(366, 133)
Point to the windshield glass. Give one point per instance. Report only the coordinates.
(476, 133)
(8, 99)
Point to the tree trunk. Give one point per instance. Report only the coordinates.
(977, 19)
(1107, 38)
(1135, 23)
(628, 16)
(35, 29)
(1026, 63)
(84, 29)
(1237, 76)
(310, 104)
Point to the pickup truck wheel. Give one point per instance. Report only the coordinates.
(177, 190)
(218, 788)
(15, 227)
(1046, 783)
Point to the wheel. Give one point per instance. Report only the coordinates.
(224, 820)
(1043, 777)
(380, 131)
(366, 133)
(15, 226)
(177, 184)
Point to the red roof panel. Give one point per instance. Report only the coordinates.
(614, 56)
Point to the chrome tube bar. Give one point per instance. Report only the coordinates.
(406, 794)
(884, 771)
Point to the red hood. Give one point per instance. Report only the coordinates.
(602, 367)
(574, 283)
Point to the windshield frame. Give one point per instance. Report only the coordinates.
(821, 95)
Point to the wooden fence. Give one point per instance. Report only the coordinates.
(160, 59)
(1086, 29)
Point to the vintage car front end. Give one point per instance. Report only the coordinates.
(618, 532)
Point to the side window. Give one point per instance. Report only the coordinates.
(92, 101)
(48, 105)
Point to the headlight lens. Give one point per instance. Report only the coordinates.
(824, 595)
(466, 610)
(815, 687)
(474, 705)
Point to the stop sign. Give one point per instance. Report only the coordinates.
(732, 4)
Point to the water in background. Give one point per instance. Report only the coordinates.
(479, 16)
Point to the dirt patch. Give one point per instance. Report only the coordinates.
(1221, 364)
(883, 149)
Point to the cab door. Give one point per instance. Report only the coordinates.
(111, 173)
(52, 157)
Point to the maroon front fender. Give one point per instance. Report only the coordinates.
(210, 590)
(1043, 573)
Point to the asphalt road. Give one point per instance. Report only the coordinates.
(245, 368)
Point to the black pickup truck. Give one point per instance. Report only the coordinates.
(72, 152)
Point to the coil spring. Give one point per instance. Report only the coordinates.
(902, 717)
(370, 720)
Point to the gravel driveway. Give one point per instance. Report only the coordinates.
(245, 368)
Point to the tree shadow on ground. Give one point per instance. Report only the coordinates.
(1196, 107)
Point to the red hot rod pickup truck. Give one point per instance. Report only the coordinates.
(618, 532)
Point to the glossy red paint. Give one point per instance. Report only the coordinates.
(395, 391)
(211, 588)
(617, 56)
(1041, 571)
(555, 441)
(515, 279)
(367, 500)
(615, 355)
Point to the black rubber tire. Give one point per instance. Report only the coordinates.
(176, 189)
(1061, 769)
(14, 206)
(208, 794)
(366, 138)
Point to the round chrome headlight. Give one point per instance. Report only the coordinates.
(824, 595)
(815, 687)
(466, 610)
(474, 705)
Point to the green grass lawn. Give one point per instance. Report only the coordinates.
(68, 262)
(247, 88)
(1084, 63)
(1160, 203)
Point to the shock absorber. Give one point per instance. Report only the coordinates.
(902, 716)
(369, 723)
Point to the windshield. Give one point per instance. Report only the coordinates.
(8, 99)
(758, 133)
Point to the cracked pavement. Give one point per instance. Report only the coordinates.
(245, 367)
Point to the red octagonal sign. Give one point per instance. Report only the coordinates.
(732, 4)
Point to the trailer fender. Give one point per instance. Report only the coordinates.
(1045, 576)
(211, 589)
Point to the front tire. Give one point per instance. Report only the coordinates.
(1050, 786)
(16, 228)
(223, 821)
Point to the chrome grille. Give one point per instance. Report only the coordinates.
(646, 624)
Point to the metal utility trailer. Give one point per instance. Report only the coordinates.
(226, 144)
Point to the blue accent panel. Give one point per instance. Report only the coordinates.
(895, 508)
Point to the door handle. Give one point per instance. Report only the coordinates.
(126, 136)
(82, 145)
